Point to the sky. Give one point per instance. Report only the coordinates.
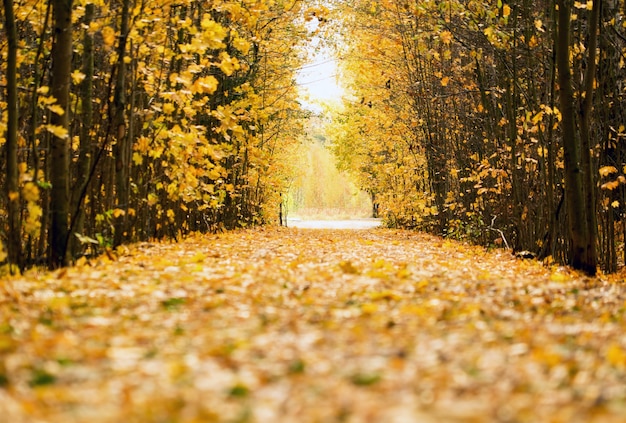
(318, 81)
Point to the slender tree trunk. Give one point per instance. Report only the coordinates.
(122, 142)
(12, 186)
(574, 188)
(85, 148)
(60, 145)
(585, 137)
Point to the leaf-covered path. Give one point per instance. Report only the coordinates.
(289, 325)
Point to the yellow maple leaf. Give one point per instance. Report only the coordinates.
(137, 158)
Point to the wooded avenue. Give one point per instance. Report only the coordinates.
(500, 123)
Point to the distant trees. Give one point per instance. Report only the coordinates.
(458, 114)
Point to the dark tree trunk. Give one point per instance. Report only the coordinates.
(585, 137)
(581, 257)
(60, 145)
(12, 186)
(122, 143)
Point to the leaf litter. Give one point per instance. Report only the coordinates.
(288, 325)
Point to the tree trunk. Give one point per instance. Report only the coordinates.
(585, 136)
(85, 148)
(580, 257)
(121, 148)
(60, 145)
(12, 186)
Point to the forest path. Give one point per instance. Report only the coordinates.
(294, 325)
(333, 223)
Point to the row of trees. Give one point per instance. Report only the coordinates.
(500, 122)
(129, 119)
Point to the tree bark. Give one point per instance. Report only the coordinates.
(585, 136)
(121, 148)
(85, 148)
(12, 186)
(60, 145)
(580, 257)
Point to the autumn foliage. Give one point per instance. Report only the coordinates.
(178, 120)
(455, 124)
(183, 117)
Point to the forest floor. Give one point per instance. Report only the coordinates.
(310, 325)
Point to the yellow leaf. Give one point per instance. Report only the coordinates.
(385, 295)
(213, 33)
(3, 253)
(77, 77)
(171, 215)
(58, 131)
(13, 196)
(108, 36)
(152, 199)
(118, 212)
(81, 262)
(168, 108)
(506, 11)
(30, 192)
(228, 64)
(607, 170)
(369, 308)
(444, 81)
(206, 85)
(446, 37)
(559, 277)
(137, 158)
(610, 185)
(615, 204)
(55, 108)
(347, 267)
(242, 45)
(615, 355)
